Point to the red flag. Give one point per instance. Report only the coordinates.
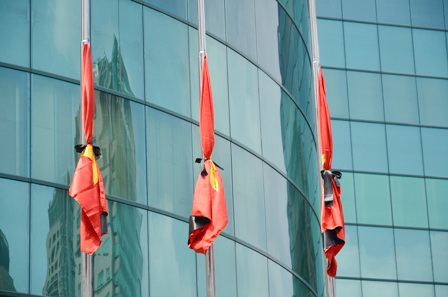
(209, 213)
(332, 217)
(87, 186)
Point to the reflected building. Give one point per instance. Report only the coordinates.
(6, 281)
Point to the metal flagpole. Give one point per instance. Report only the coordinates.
(329, 281)
(86, 264)
(210, 256)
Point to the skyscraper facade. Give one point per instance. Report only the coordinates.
(146, 122)
(386, 68)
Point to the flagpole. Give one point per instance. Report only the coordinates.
(210, 256)
(329, 281)
(86, 261)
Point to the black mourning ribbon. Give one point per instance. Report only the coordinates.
(79, 148)
(331, 238)
(204, 172)
(197, 222)
(328, 176)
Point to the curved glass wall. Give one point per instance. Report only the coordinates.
(146, 122)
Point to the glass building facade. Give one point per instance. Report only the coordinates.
(387, 85)
(146, 122)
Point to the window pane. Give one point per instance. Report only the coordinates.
(55, 129)
(396, 49)
(404, 149)
(400, 99)
(393, 12)
(299, 12)
(348, 257)
(166, 62)
(342, 147)
(348, 288)
(430, 53)
(441, 291)
(244, 102)
(172, 264)
(14, 121)
(439, 242)
(361, 43)
(348, 197)
(240, 24)
(329, 8)
(176, 7)
(361, 10)
(369, 147)
(55, 257)
(252, 271)
(435, 142)
(432, 101)
(373, 199)
(56, 37)
(14, 235)
(170, 162)
(409, 244)
(280, 281)
(409, 201)
(371, 289)
(15, 29)
(214, 17)
(428, 13)
(436, 190)
(416, 290)
(337, 95)
(376, 246)
(331, 43)
(366, 98)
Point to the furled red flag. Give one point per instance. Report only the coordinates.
(87, 186)
(332, 217)
(209, 213)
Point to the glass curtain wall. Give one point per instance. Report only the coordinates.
(146, 122)
(387, 85)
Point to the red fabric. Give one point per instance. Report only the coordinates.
(87, 93)
(206, 115)
(326, 138)
(210, 204)
(332, 217)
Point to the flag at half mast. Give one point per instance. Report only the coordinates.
(209, 213)
(87, 186)
(332, 217)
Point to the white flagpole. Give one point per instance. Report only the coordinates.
(329, 281)
(86, 261)
(210, 256)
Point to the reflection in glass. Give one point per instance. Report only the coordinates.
(329, 8)
(371, 289)
(395, 12)
(342, 145)
(439, 242)
(400, 99)
(337, 94)
(176, 7)
(14, 122)
(435, 142)
(361, 44)
(404, 149)
(348, 288)
(360, 10)
(348, 257)
(432, 101)
(436, 190)
(252, 272)
(280, 281)
(428, 13)
(416, 290)
(396, 49)
(331, 47)
(14, 236)
(430, 52)
(348, 197)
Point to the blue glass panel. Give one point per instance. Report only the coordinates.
(348, 257)
(404, 149)
(416, 290)
(396, 49)
(252, 271)
(172, 269)
(410, 243)
(432, 101)
(170, 162)
(331, 43)
(337, 95)
(214, 17)
(298, 10)
(166, 62)
(435, 142)
(56, 37)
(436, 190)
(361, 10)
(14, 122)
(365, 96)
(427, 13)
(15, 32)
(441, 291)
(361, 46)
(248, 198)
(393, 12)
(372, 199)
(439, 242)
(244, 101)
(280, 281)
(55, 129)
(409, 201)
(376, 245)
(369, 147)
(176, 7)
(348, 197)
(400, 99)
(329, 8)
(14, 235)
(342, 147)
(348, 288)
(371, 289)
(430, 53)
(240, 25)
